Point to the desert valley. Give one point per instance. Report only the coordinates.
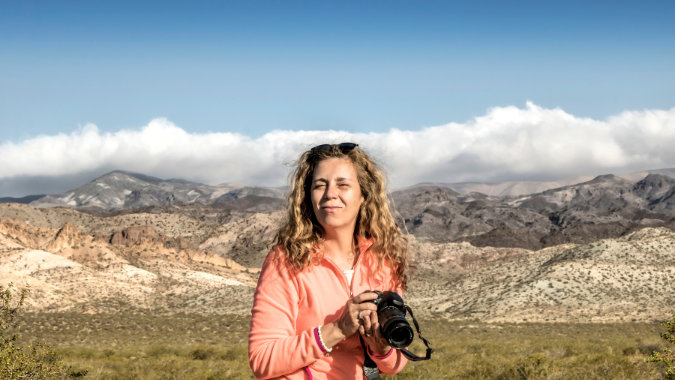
(595, 250)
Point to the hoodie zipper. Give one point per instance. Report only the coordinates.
(342, 276)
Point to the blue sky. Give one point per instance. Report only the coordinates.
(232, 91)
(251, 67)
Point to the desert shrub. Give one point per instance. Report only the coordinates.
(108, 352)
(159, 350)
(202, 353)
(36, 361)
(667, 356)
(235, 354)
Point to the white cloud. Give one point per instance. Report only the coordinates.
(506, 144)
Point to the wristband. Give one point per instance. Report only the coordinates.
(319, 338)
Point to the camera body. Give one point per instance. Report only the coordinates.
(391, 316)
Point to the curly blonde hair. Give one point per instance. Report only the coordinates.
(301, 235)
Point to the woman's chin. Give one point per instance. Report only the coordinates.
(330, 223)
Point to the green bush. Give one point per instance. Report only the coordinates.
(666, 357)
(36, 361)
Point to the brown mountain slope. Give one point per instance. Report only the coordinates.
(173, 225)
(70, 270)
(246, 241)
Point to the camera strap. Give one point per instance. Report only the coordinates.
(370, 370)
(410, 355)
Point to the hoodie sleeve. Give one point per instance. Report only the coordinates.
(390, 364)
(275, 348)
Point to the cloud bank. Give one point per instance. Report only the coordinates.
(508, 143)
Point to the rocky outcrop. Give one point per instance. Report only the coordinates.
(20, 233)
(133, 235)
(67, 237)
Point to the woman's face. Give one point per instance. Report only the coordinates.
(336, 194)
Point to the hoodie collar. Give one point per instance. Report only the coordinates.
(364, 243)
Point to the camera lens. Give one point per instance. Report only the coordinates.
(401, 335)
(395, 328)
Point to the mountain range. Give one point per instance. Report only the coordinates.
(120, 190)
(514, 188)
(606, 206)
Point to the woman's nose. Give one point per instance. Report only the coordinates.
(331, 191)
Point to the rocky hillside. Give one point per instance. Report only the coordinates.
(246, 241)
(135, 267)
(175, 263)
(626, 279)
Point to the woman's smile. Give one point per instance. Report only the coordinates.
(331, 208)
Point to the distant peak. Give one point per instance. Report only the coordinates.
(607, 178)
(657, 176)
(653, 179)
(142, 177)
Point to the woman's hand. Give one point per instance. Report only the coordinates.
(348, 323)
(372, 334)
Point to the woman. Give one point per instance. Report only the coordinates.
(339, 241)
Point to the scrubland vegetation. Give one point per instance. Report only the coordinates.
(141, 346)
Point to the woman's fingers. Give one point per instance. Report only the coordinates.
(365, 296)
(373, 318)
(375, 325)
(376, 330)
(367, 326)
(369, 323)
(353, 316)
(367, 306)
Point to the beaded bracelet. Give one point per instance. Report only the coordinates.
(323, 345)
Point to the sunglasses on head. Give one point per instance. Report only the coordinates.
(344, 147)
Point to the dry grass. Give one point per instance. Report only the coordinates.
(537, 351)
(142, 346)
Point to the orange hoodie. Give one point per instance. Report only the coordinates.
(288, 306)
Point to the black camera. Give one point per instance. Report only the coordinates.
(391, 315)
(395, 328)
